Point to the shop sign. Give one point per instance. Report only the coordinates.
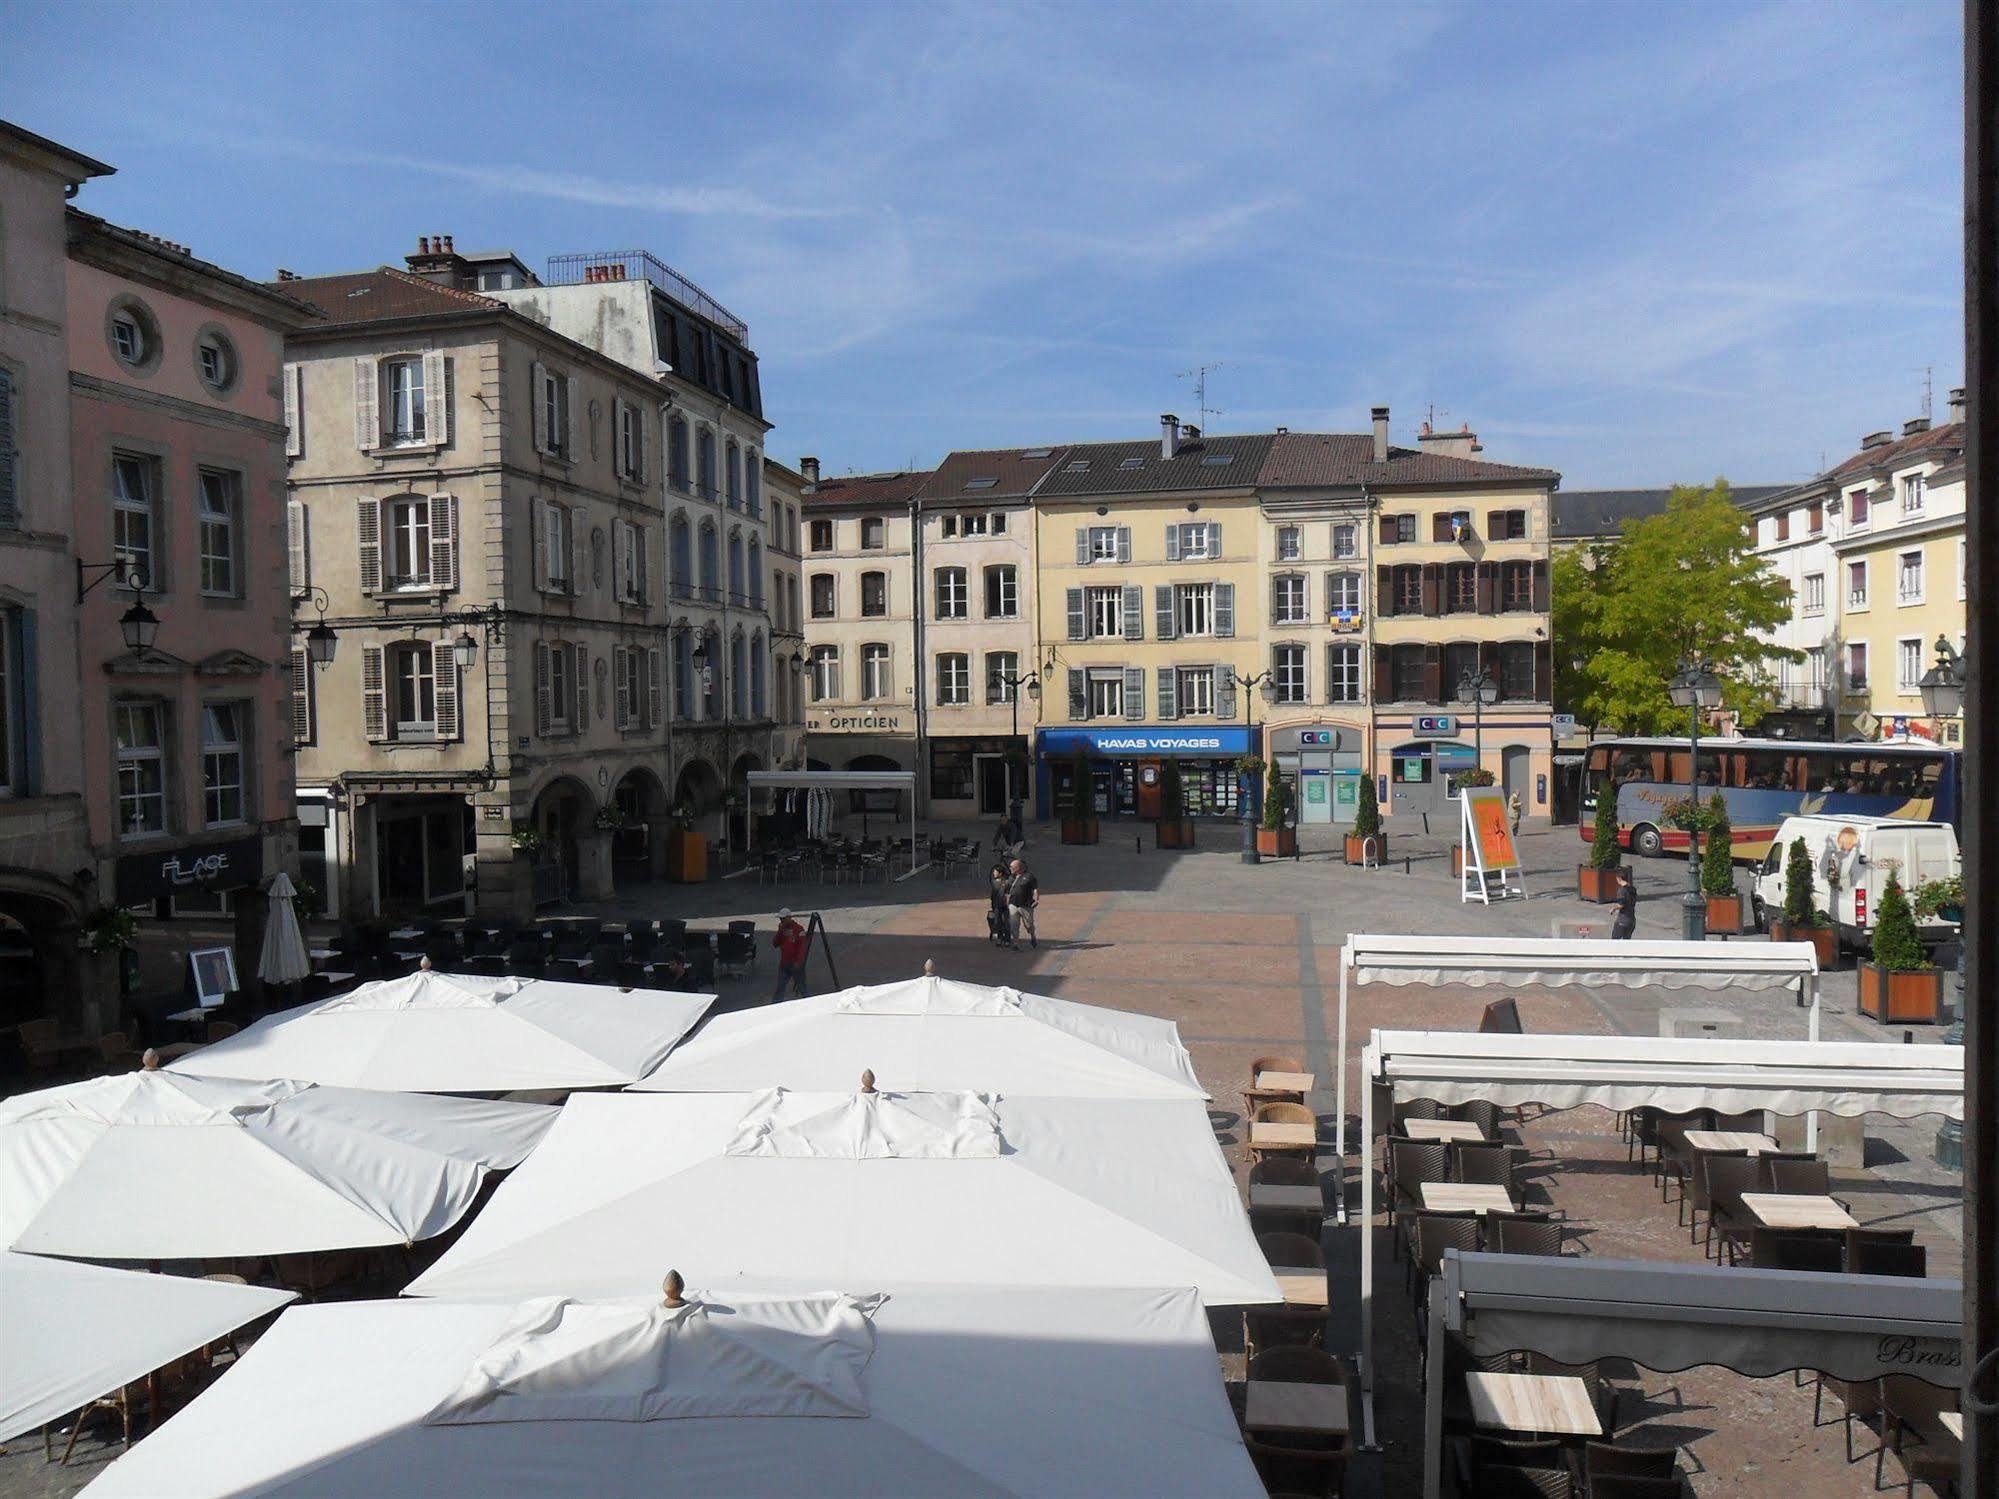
(201, 866)
(1562, 725)
(856, 723)
(1134, 742)
(1286, 739)
(1434, 726)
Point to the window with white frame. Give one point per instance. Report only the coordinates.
(628, 683)
(142, 769)
(1287, 543)
(1343, 674)
(215, 531)
(1001, 668)
(875, 684)
(1908, 663)
(558, 547)
(405, 413)
(1343, 593)
(1909, 578)
(1195, 687)
(1287, 599)
(1913, 488)
(954, 679)
(221, 763)
(1199, 540)
(630, 550)
(406, 556)
(631, 441)
(413, 690)
(1105, 612)
(1346, 540)
(1287, 672)
(973, 523)
(1815, 668)
(1856, 585)
(1103, 543)
(1002, 592)
(135, 494)
(1814, 593)
(1194, 608)
(215, 362)
(1105, 692)
(555, 413)
(953, 593)
(128, 338)
(825, 673)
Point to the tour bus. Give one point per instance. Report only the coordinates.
(1763, 781)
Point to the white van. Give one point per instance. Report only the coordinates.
(1851, 860)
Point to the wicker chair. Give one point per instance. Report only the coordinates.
(1633, 1486)
(1487, 1165)
(1602, 1393)
(1676, 1156)
(1254, 1098)
(1698, 1193)
(1523, 1233)
(1795, 1249)
(1798, 1176)
(1749, 1122)
(1415, 1108)
(1608, 1460)
(1410, 1164)
(1911, 1260)
(1285, 1113)
(1506, 1470)
(1430, 1236)
(1479, 1111)
(1855, 1237)
(1727, 1178)
(1272, 1327)
(1859, 1397)
(1910, 1429)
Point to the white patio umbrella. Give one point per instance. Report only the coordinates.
(284, 959)
(159, 1166)
(957, 1391)
(75, 1332)
(936, 1033)
(881, 1190)
(461, 1033)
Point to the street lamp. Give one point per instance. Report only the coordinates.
(464, 650)
(1013, 682)
(1942, 685)
(1477, 691)
(320, 644)
(1250, 687)
(1694, 687)
(140, 627)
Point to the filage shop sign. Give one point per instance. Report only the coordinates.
(201, 866)
(862, 723)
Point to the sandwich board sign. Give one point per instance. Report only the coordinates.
(1490, 862)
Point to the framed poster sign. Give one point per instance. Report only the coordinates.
(214, 975)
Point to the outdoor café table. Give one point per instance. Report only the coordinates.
(1275, 1197)
(1318, 1409)
(1284, 1082)
(1302, 1285)
(1442, 1129)
(1952, 1422)
(1797, 1210)
(1729, 1139)
(1551, 1404)
(1467, 1197)
(1279, 1135)
(404, 934)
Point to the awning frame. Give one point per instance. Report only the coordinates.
(839, 780)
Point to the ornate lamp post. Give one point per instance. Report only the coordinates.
(1694, 687)
(1013, 682)
(1942, 685)
(1477, 691)
(1250, 686)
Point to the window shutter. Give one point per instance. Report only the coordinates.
(1440, 526)
(1544, 672)
(639, 445)
(1485, 588)
(655, 689)
(294, 435)
(1384, 590)
(443, 541)
(301, 695)
(1169, 693)
(622, 706)
(574, 535)
(621, 543)
(538, 544)
(1495, 525)
(1431, 588)
(1224, 690)
(374, 696)
(580, 719)
(436, 399)
(10, 488)
(543, 703)
(1388, 530)
(1162, 612)
(1079, 625)
(618, 438)
(1225, 610)
(1173, 543)
(1384, 675)
(1079, 695)
(298, 545)
(1124, 543)
(1540, 587)
(1082, 546)
(368, 526)
(367, 404)
(538, 402)
(1277, 592)
(1134, 693)
(1433, 673)
(1214, 538)
(642, 539)
(444, 667)
(1134, 612)
(569, 416)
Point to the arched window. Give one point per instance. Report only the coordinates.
(711, 645)
(711, 563)
(705, 464)
(757, 676)
(756, 573)
(739, 677)
(676, 453)
(735, 471)
(680, 551)
(738, 592)
(683, 675)
(753, 480)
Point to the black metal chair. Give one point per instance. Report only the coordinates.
(1911, 1260)
(1796, 1249)
(1523, 1233)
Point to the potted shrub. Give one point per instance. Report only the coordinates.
(1802, 921)
(1275, 839)
(1366, 825)
(1175, 829)
(1079, 820)
(686, 850)
(1724, 901)
(1898, 982)
(1597, 878)
(1942, 899)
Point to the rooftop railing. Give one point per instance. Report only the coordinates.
(636, 265)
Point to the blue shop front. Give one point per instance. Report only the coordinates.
(1125, 766)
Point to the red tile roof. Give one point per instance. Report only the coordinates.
(865, 489)
(1341, 459)
(1947, 439)
(382, 294)
(1017, 471)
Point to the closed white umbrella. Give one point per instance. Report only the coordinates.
(284, 959)
(462, 1033)
(75, 1332)
(879, 1190)
(935, 1033)
(162, 1166)
(966, 1392)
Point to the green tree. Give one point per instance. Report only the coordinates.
(1798, 904)
(1896, 946)
(1603, 850)
(1079, 786)
(1684, 582)
(1172, 798)
(1718, 858)
(1273, 797)
(1367, 815)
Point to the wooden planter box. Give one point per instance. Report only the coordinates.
(1598, 886)
(1820, 937)
(1724, 914)
(1901, 998)
(1355, 845)
(1277, 843)
(1079, 830)
(686, 857)
(1175, 834)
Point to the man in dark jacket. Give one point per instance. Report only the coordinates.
(1627, 911)
(1023, 894)
(794, 945)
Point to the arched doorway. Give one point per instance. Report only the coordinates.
(640, 798)
(41, 968)
(563, 809)
(698, 791)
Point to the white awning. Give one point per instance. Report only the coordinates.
(1668, 1317)
(832, 780)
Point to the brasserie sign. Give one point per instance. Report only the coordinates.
(201, 866)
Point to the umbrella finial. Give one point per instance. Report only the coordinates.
(424, 966)
(868, 1080)
(673, 1285)
(929, 968)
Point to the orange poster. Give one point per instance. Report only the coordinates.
(1486, 806)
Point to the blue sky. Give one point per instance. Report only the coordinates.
(1634, 242)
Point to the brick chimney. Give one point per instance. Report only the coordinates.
(1876, 439)
(1957, 403)
(1169, 435)
(1914, 425)
(1462, 443)
(1381, 434)
(808, 469)
(435, 260)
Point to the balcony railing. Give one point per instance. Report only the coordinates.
(635, 265)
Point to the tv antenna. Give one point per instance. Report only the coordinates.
(1199, 375)
(1929, 377)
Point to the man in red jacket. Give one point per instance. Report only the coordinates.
(793, 943)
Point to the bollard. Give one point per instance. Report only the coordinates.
(1405, 863)
(1138, 843)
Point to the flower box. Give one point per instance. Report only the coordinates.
(1079, 830)
(1176, 834)
(1724, 915)
(1356, 848)
(1820, 937)
(1598, 886)
(1901, 998)
(1277, 843)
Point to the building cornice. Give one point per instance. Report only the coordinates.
(1925, 529)
(172, 406)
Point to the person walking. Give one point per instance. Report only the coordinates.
(999, 919)
(794, 945)
(1513, 811)
(1023, 894)
(1006, 838)
(1627, 910)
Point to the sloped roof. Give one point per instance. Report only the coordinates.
(380, 295)
(1347, 458)
(1017, 470)
(1576, 513)
(865, 489)
(1108, 468)
(1949, 438)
